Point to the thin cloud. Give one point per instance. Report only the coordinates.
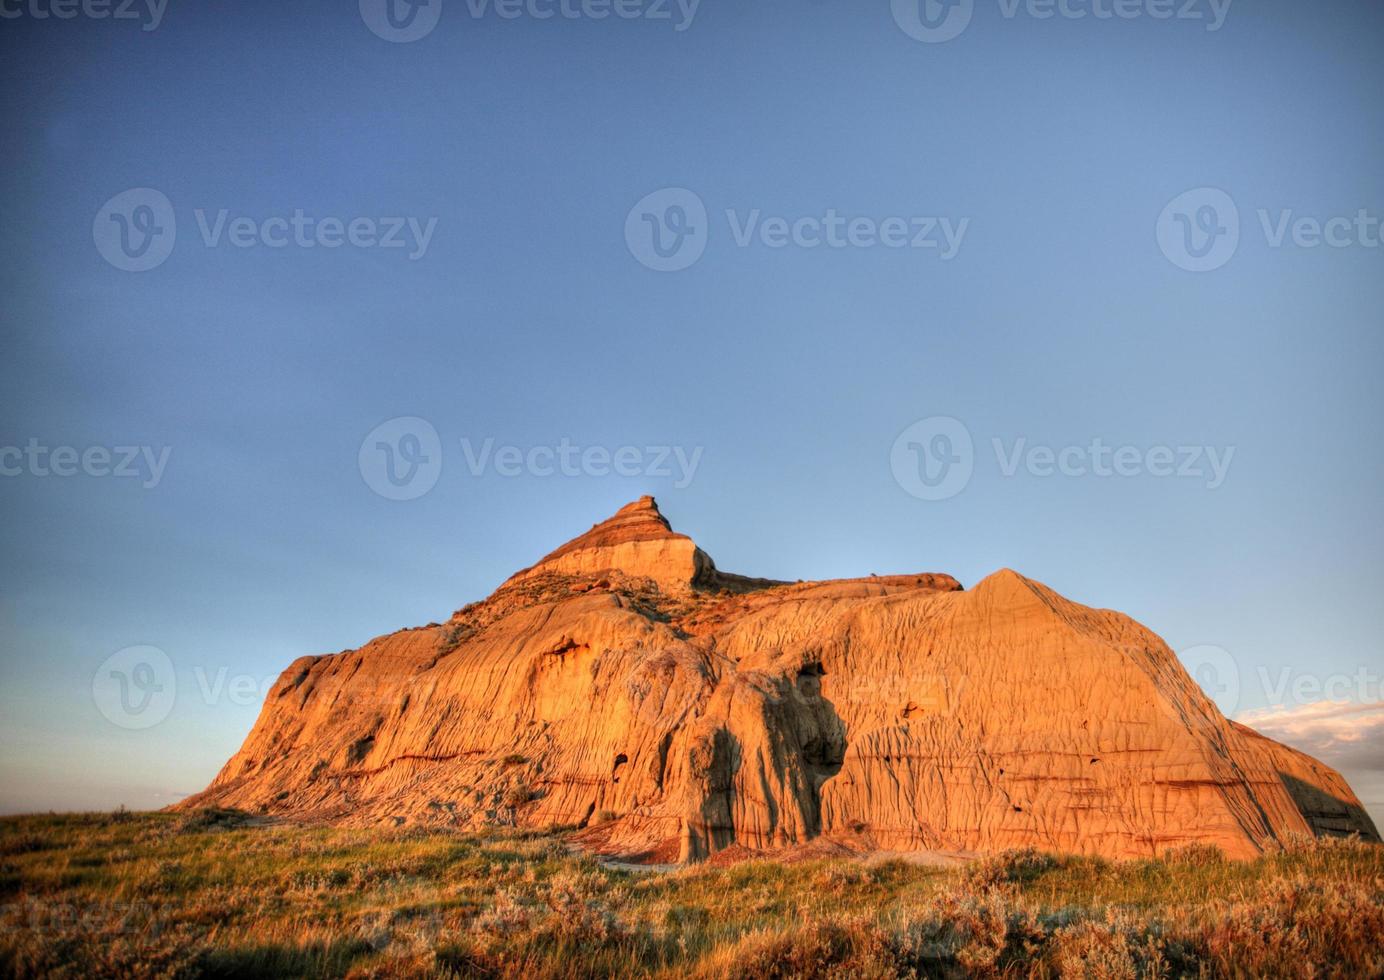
(1346, 735)
(1322, 723)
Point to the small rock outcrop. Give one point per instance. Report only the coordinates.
(625, 686)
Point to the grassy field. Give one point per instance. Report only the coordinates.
(217, 895)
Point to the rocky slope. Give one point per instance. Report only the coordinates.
(626, 686)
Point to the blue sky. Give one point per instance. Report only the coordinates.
(1058, 151)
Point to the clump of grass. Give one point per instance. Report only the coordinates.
(456, 634)
(1112, 947)
(841, 875)
(1293, 926)
(1015, 867)
(1195, 854)
(518, 793)
(214, 818)
(50, 937)
(821, 948)
(23, 843)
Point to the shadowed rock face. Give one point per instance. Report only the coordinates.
(625, 685)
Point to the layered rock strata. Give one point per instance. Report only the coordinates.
(625, 686)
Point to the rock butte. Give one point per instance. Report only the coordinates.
(625, 686)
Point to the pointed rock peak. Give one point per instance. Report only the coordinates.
(1004, 579)
(636, 540)
(1010, 591)
(637, 521)
(1007, 587)
(640, 511)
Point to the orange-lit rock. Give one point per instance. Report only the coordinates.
(625, 685)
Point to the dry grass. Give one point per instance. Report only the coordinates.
(217, 894)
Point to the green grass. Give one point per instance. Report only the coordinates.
(215, 894)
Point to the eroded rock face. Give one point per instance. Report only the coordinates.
(625, 685)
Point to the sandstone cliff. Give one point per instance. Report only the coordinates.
(626, 686)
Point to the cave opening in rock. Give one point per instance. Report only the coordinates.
(809, 680)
